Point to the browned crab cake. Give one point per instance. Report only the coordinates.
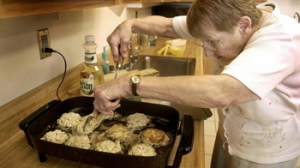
(117, 132)
(153, 136)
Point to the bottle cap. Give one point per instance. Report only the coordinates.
(89, 38)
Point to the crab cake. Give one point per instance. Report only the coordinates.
(142, 150)
(69, 120)
(109, 146)
(117, 132)
(137, 121)
(153, 136)
(56, 136)
(79, 141)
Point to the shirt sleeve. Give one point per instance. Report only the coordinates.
(179, 24)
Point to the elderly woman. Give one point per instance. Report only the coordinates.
(258, 89)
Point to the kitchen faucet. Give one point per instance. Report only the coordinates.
(132, 61)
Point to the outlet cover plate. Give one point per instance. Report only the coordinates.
(44, 42)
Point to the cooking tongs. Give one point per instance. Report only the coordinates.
(119, 63)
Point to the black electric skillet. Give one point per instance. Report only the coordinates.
(44, 120)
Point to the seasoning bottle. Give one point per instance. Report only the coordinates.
(105, 62)
(91, 74)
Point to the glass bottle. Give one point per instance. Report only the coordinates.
(91, 74)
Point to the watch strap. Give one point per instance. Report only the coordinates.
(135, 80)
(134, 88)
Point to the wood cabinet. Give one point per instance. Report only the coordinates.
(15, 8)
(164, 1)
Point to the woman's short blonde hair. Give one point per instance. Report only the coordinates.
(222, 14)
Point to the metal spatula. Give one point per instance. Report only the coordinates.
(98, 121)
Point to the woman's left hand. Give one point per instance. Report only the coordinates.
(108, 95)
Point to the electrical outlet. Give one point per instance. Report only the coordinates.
(44, 42)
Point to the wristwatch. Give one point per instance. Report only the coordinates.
(135, 81)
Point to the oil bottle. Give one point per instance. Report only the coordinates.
(91, 74)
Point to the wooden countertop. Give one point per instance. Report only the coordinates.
(14, 150)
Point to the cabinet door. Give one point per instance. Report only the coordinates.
(15, 8)
(177, 0)
(151, 1)
(121, 2)
(162, 1)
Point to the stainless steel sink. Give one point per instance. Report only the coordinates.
(167, 66)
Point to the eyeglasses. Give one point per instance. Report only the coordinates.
(211, 44)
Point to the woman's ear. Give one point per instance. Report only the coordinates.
(245, 25)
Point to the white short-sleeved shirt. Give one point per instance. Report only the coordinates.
(266, 130)
(180, 26)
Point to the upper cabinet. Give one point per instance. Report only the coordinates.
(154, 1)
(162, 1)
(15, 8)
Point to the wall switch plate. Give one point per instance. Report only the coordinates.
(44, 42)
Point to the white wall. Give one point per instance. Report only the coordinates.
(21, 69)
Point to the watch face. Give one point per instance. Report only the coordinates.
(135, 79)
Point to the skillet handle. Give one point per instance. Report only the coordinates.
(187, 139)
(26, 122)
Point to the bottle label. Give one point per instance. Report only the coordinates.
(86, 84)
(90, 58)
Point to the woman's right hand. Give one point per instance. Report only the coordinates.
(120, 39)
